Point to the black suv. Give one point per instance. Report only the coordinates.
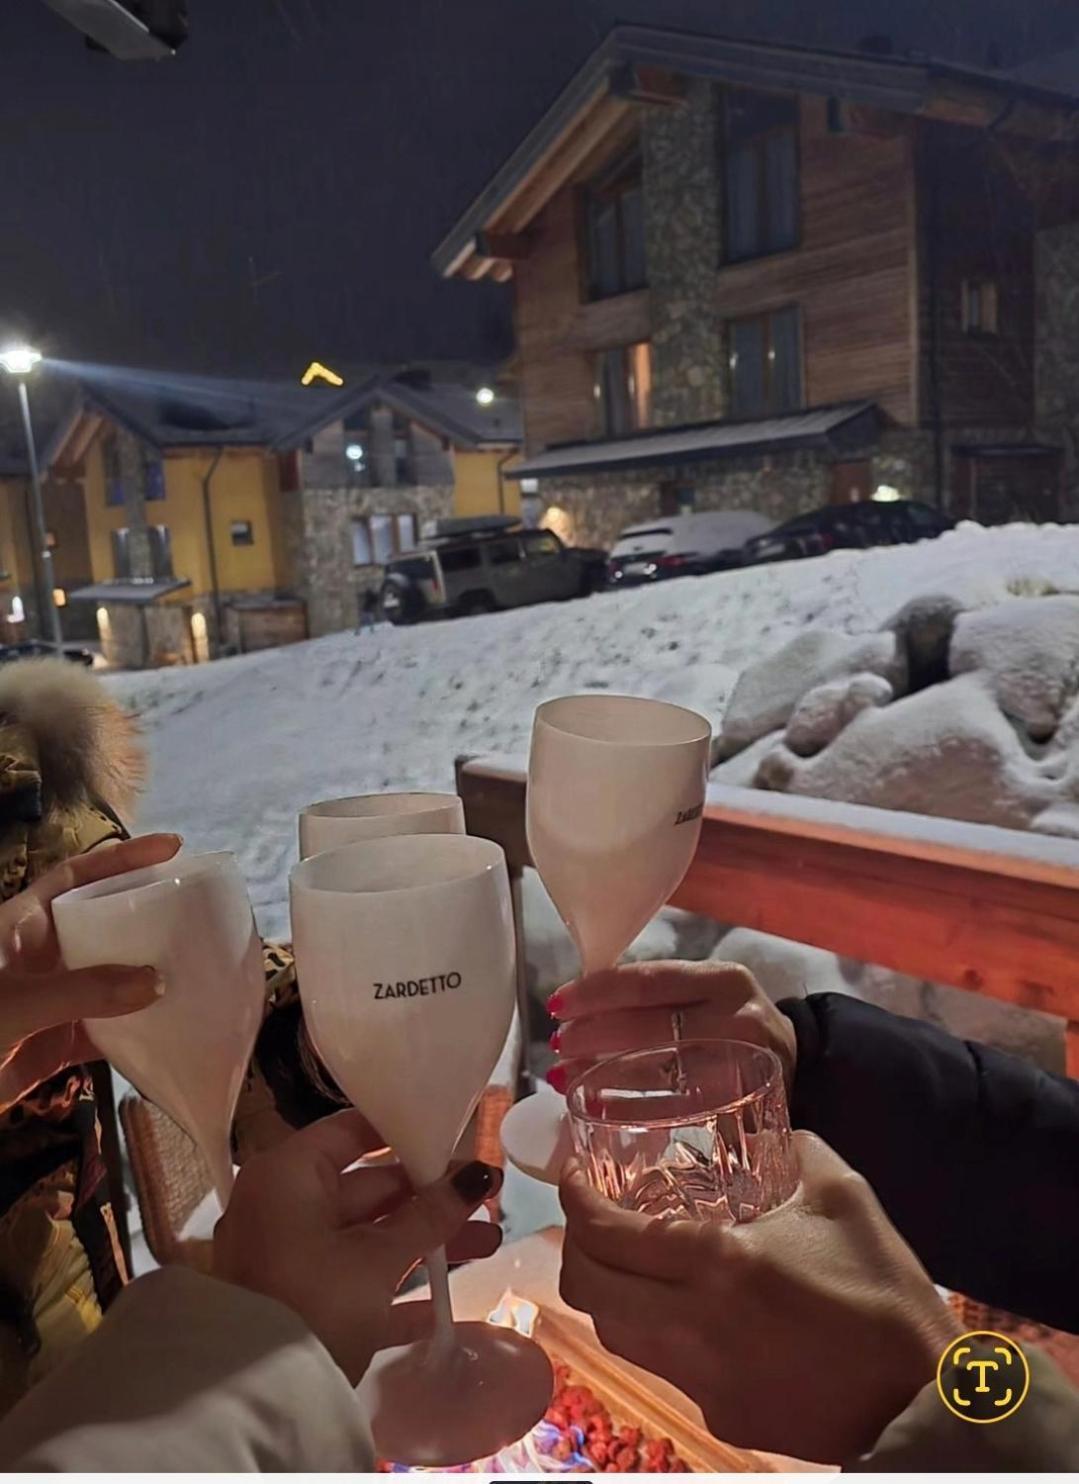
(865, 523)
(483, 570)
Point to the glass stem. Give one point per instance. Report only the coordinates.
(438, 1276)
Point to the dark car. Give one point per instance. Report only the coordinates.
(864, 523)
(37, 649)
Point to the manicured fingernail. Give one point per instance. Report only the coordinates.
(556, 1039)
(476, 1181)
(556, 1005)
(557, 1078)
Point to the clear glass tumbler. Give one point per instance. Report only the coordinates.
(698, 1130)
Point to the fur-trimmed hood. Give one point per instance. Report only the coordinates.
(57, 720)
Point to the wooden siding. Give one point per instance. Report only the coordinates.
(853, 271)
(975, 222)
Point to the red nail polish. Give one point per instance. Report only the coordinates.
(556, 1039)
(555, 1005)
(556, 1078)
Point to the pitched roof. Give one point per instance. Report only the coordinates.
(642, 64)
(167, 410)
(812, 428)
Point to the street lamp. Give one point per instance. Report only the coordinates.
(19, 361)
(485, 396)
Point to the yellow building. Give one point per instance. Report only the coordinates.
(221, 516)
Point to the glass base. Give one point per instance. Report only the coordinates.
(435, 1409)
(536, 1137)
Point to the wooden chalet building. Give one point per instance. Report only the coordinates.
(750, 275)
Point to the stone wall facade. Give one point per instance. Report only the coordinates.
(682, 205)
(1056, 351)
(319, 538)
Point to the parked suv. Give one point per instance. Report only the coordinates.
(484, 570)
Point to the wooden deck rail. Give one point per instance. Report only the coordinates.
(988, 910)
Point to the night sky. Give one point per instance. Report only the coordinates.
(272, 194)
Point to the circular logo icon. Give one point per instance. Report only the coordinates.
(983, 1377)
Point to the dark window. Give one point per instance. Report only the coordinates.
(155, 477)
(160, 551)
(114, 488)
(542, 547)
(503, 553)
(121, 553)
(980, 307)
(403, 466)
(761, 169)
(460, 559)
(614, 231)
(766, 363)
(242, 533)
(623, 388)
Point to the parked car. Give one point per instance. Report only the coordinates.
(485, 569)
(865, 523)
(36, 649)
(683, 545)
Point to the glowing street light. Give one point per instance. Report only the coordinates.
(19, 361)
(485, 396)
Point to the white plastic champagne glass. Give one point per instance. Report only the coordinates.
(405, 955)
(188, 1052)
(336, 822)
(616, 789)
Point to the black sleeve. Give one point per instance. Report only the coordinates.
(973, 1154)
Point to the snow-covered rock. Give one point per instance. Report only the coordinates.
(785, 970)
(924, 627)
(948, 750)
(821, 714)
(768, 692)
(1028, 650)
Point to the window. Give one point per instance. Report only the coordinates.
(503, 553)
(405, 531)
(50, 540)
(403, 470)
(542, 547)
(154, 469)
(460, 559)
(980, 307)
(242, 533)
(623, 388)
(114, 488)
(614, 231)
(160, 551)
(121, 554)
(761, 172)
(766, 363)
(378, 538)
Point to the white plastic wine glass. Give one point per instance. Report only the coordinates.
(336, 822)
(188, 1052)
(405, 956)
(616, 789)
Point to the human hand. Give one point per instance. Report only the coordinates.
(804, 1332)
(42, 1004)
(632, 1009)
(335, 1244)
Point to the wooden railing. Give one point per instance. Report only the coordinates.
(992, 911)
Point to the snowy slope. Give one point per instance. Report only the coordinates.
(238, 747)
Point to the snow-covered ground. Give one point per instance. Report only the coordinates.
(238, 747)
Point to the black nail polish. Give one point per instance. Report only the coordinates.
(476, 1181)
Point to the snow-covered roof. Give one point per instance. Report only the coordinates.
(137, 593)
(810, 428)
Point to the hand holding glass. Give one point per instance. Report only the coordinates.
(191, 919)
(405, 955)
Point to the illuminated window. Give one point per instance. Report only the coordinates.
(378, 538)
(980, 307)
(623, 389)
(59, 597)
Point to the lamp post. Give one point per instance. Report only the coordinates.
(18, 361)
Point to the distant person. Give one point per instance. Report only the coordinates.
(369, 611)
